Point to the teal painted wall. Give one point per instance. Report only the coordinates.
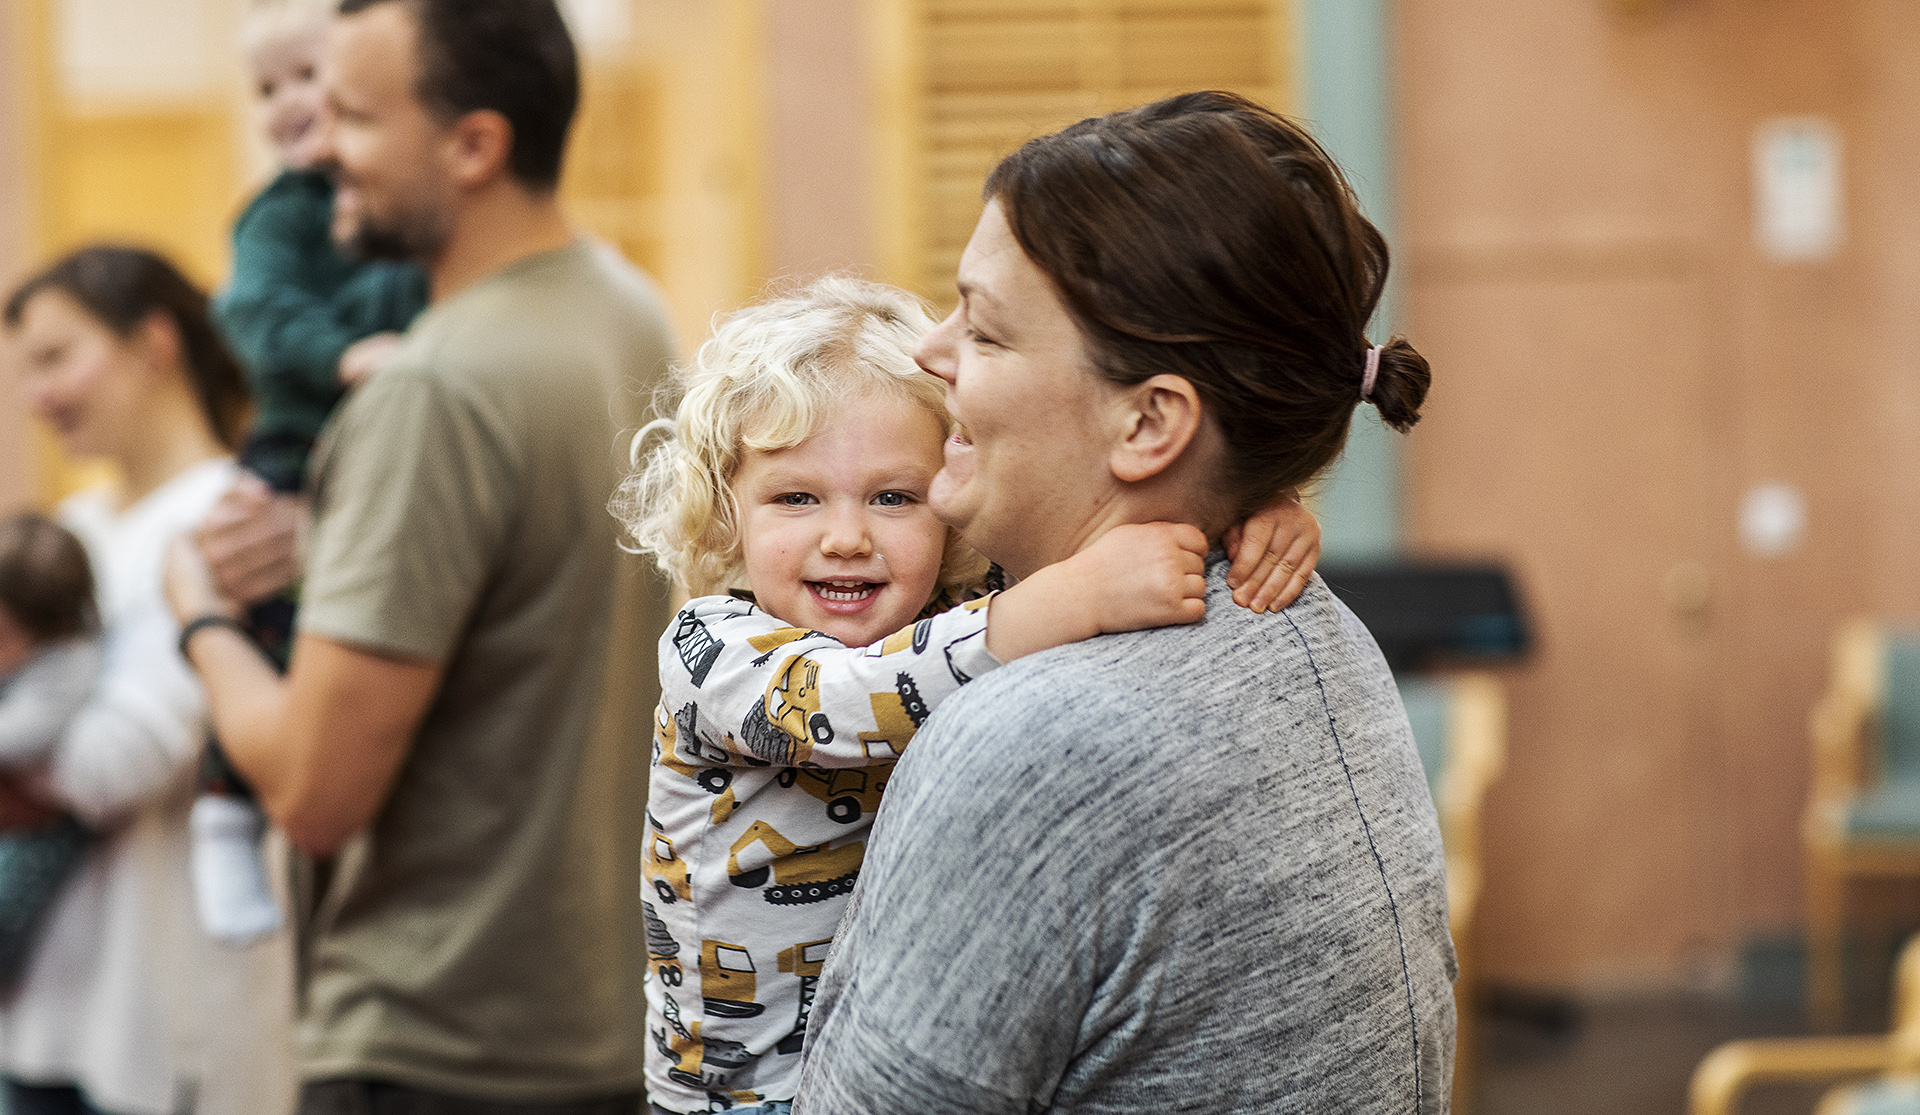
(1345, 95)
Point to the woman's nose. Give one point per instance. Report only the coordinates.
(934, 353)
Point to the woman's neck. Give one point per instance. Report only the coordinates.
(177, 438)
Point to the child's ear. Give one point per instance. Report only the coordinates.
(1160, 418)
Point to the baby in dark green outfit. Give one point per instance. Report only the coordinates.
(307, 323)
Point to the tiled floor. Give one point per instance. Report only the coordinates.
(1619, 1058)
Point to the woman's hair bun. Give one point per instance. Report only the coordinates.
(1401, 385)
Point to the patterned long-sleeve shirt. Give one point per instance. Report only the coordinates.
(771, 748)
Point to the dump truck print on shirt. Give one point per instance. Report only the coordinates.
(772, 748)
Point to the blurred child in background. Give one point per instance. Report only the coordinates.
(49, 658)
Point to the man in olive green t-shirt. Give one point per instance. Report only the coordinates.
(459, 518)
(466, 715)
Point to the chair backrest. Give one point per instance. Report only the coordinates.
(1906, 1008)
(1460, 728)
(1900, 706)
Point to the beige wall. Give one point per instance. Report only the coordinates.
(817, 128)
(1615, 365)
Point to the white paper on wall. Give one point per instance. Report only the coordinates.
(1797, 188)
(601, 28)
(141, 51)
(1773, 519)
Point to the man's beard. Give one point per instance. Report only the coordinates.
(413, 236)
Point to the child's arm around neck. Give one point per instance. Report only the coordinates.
(740, 687)
(1132, 577)
(1154, 575)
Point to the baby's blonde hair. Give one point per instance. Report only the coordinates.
(765, 382)
(270, 21)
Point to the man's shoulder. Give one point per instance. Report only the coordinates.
(578, 305)
(581, 282)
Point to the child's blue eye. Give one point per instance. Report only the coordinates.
(794, 499)
(893, 499)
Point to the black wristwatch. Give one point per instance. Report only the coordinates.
(201, 623)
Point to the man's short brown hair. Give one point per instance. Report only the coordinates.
(513, 57)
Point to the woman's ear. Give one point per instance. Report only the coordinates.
(1162, 417)
(158, 338)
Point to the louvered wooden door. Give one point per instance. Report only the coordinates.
(964, 82)
(615, 183)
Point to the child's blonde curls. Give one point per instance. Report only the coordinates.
(765, 382)
(269, 21)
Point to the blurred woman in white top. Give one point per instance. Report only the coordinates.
(126, 1008)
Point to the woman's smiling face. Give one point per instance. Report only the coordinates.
(1026, 470)
(835, 532)
(91, 385)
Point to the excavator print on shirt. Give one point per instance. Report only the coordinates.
(801, 874)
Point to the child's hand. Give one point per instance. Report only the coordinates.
(1142, 575)
(364, 356)
(1274, 553)
(1132, 577)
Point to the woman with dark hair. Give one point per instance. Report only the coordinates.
(1187, 869)
(124, 1002)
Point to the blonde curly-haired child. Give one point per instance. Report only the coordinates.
(833, 613)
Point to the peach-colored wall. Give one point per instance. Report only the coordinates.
(16, 447)
(1615, 365)
(818, 132)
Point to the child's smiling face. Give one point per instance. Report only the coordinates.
(835, 531)
(286, 75)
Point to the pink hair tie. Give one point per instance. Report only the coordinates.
(1372, 373)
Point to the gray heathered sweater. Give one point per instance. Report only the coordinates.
(1184, 870)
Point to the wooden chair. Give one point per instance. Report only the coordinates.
(1894, 1094)
(1897, 1093)
(1460, 726)
(1725, 1074)
(1863, 817)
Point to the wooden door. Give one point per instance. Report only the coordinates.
(664, 160)
(960, 83)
